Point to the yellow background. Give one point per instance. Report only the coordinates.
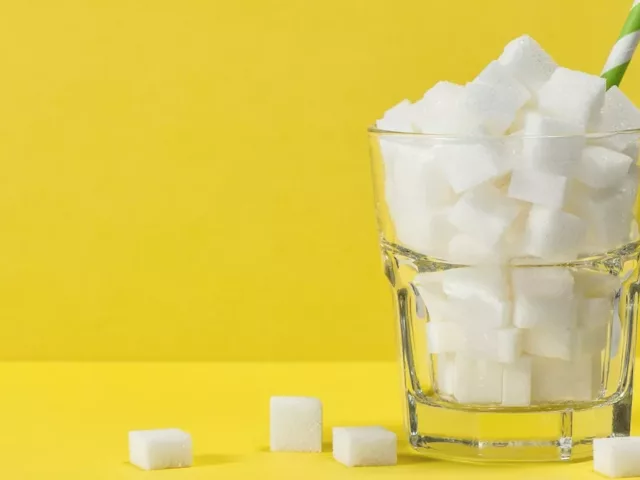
(189, 179)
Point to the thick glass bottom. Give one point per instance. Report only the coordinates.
(529, 436)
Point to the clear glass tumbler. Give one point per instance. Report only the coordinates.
(514, 267)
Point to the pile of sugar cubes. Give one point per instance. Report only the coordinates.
(518, 169)
(516, 172)
(295, 426)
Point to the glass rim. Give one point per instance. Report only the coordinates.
(375, 131)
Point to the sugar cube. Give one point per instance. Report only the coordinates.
(618, 114)
(516, 383)
(443, 337)
(528, 62)
(445, 373)
(543, 296)
(556, 380)
(540, 188)
(398, 118)
(296, 424)
(425, 231)
(435, 303)
(364, 446)
(617, 457)
(478, 297)
(477, 381)
(485, 213)
(467, 249)
(159, 449)
(574, 96)
(553, 234)
(600, 167)
(486, 282)
(609, 215)
(500, 344)
(551, 145)
(468, 165)
(550, 342)
(593, 312)
(494, 110)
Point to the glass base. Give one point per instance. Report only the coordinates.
(507, 436)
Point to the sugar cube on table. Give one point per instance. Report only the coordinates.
(484, 213)
(551, 145)
(516, 383)
(525, 60)
(540, 188)
(601, 167)
(543, 296)
(159, 449)
(553, 234)
(295, 424)
(617, 457)
(573, 96)
(468, 165)
(477, 381)
(618, 114)
(365, 446)
(398, 118)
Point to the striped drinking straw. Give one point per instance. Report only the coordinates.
(622, 51)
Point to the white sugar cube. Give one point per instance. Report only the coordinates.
(418, 178)
(540, 188)
(435, 303)
(364, 446)
(480, 313)
(617, 457)
(478, 297)
(516, 383)
(468, 165)
(484, 282)
(500, 345)
(593, 312)
(425, 231)
(550, 342)
(551, 145)
(398, 118)
(443, 337)
(600, 167)
(494, 97)
(295, 424)
(159, 449)
(592, 284)
(528, 62)
(574, 96)
(477, 381)
(467, 249)
(592, 339)
(609, 215)
(485, 213)
(441, 111)
(445, 373)
(556, 380)
(618, 114)
(553, 234)
(543, 296)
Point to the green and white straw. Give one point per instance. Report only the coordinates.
(622, 51)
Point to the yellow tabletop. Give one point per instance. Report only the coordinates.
(70, 421)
